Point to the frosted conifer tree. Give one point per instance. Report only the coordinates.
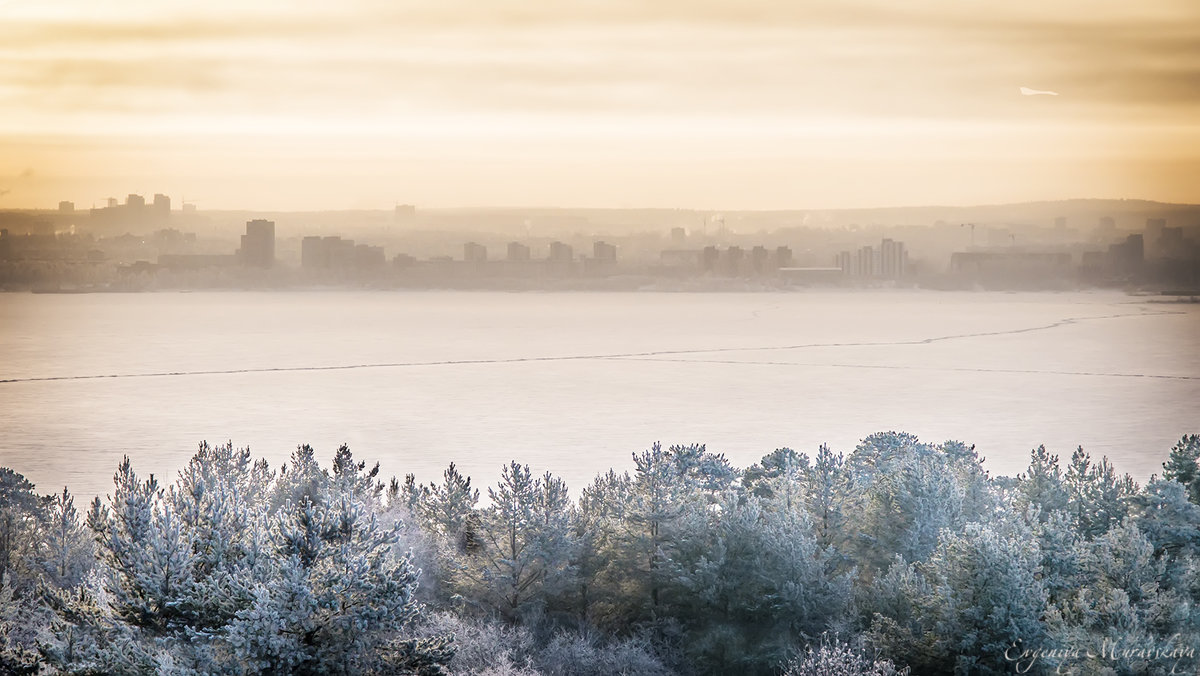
(524, 542)
(827, 488)
(68, 549)
(988, 594)
(837, 658)
(597, 530)
(22, 513)
(224, 572)
(755, 584)
(1041, 485)
(1096, 495)
(1164, 512)
(1183, 465)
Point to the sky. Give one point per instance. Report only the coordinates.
(709, 104)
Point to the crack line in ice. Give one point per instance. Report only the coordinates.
(971, 369)
(624, 355)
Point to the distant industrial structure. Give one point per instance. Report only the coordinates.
(116, 244)
(732, 261)
(561, 253)
(1010, 264)
(517, 252)
(335, 253)
(474, 253)
(132, 214)
(258, 244)
(888, 261)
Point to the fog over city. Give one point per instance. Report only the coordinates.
(520, 338)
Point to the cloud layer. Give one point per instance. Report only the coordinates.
(468, 80)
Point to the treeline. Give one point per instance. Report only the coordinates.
(901, 556)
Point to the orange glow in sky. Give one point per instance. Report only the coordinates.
(731, 104)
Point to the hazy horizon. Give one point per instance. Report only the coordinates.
(389, 208)
(717, 105)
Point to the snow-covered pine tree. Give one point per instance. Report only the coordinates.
(755, 582)
(1096, 495)
(68, 547)
(598, 532)
(833, 657)
(224, 573)
(1183, 465)
(447, 507)
(524, 543)
(1041, 485)
(989, 595)
(1165, 514)
(827, 491)
(778, 470)
(22, 515)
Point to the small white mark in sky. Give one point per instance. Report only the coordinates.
(1026, 91)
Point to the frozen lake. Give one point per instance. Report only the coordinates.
(574, 382)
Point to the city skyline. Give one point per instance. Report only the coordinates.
(715, 105)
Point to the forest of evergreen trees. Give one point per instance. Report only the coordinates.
(901, 556)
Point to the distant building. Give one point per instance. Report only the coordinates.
(339, 252)
(66, 207)
(889, 261)
(783, 257)
(518, 252)
(844, 262)
(162, 206)
(1159, 240)
(1014, 266)
(1093, 262)
(893, 259)
(313, 254)
(678, 236)
(604, 252)
(1171, 244)
(367, 256)
(474, 253)
(865, 263)
(561, 253)
(733, 259)
(334, 253)
(133, 213)
(258, 244)
(405, 214)
(1128, 257)
(759, 259)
